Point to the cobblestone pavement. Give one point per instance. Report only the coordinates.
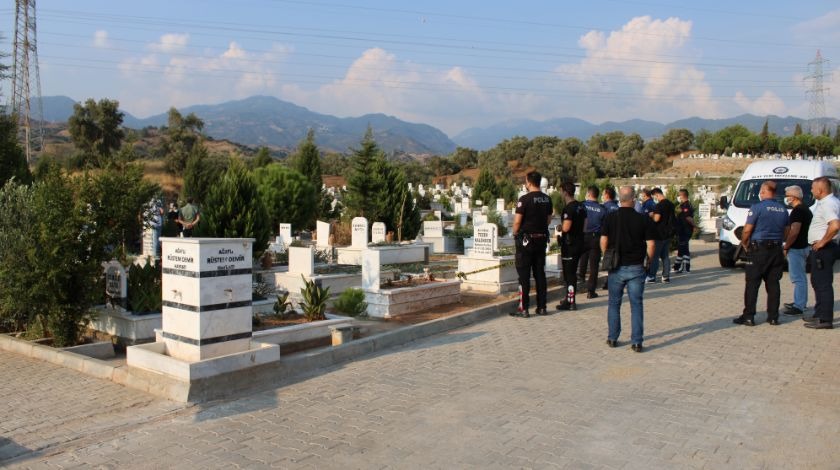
(543, 392)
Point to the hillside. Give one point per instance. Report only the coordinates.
(485, 138)
(267, 121)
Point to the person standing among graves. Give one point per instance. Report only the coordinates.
(767, 225)
(172, 217)
(685, 230)
(663, 218)
(530, 231)
(609, 199)
(571, 242)
(823, 235)
(188, 217)
(796, 249)
(648, 204)
(156, 224)
(591, 255)
(633, 235)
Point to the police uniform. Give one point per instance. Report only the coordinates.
(611, 206)
(767, 260)
(571, 247)
(684, 232)
(531, 241)
(591, 255)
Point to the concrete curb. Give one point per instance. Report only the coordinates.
(84, 364)
(263, 377)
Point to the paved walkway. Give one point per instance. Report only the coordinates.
(543, 392)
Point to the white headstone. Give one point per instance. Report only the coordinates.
(479, 218)
(433, 228)
(500, 205)
(207, 290)
(485, 241)
(370, 269)
(359, 226)
(439, 215)
(463, 220)
(705, 211)
(148, 243)
(301, 260)
(285, 234)
(116, 283)
(322, 234)
(479, 202)
(377, 232)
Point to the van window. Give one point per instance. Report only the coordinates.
(747, 193)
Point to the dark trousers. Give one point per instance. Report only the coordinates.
(767, 264)
(570, 257)
(822, 281)
(528, 259)
(590, 257)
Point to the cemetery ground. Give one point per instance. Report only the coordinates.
(544, 392)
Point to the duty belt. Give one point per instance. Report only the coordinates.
(766, 243)
(536, 235)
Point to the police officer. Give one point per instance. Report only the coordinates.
(530, 231)
(591, 255)
(571, 242)
(766, 227)
(609, 199)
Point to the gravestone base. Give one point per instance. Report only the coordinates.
(389, 303)
(500, 275)
(156, 357)
(129, 329)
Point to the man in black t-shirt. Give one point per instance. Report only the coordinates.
(796, 249)
(530, 231)
(685, 230)
(633, 236)
(663, 218)
(571, 242)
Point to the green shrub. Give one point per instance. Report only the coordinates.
(144, 288)
(282, 305)
(351, 302)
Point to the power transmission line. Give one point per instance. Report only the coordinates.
(25, 74)
(816, 105)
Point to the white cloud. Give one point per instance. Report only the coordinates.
(183, 79)
(100, 39)
(636, 72)
(823, 29)
(378, 82)
(767, 103)
(169, 43)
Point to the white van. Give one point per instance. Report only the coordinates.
(785, 173)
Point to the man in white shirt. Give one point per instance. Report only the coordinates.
(823, 236)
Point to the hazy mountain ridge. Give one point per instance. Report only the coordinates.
(265, 120)
(484, 138)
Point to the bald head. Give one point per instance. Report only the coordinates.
(626, 196)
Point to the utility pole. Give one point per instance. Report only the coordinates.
(25, 77)
(816, 108)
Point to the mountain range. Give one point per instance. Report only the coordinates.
(268, 121)
(487, 137)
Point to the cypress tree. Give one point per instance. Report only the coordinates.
(798, 129)
(234, 209)
(307, 160)
(366, 181)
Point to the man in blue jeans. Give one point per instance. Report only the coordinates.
(796, 249)
(633, 236)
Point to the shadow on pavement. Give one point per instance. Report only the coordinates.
(688, 332)
(9, 449)
(441, 340)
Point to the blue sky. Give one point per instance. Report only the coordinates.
(454, 65)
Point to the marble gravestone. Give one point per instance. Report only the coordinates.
(485, 241)
(500, 205)
(433, 228)
(284, 235)
(377, 232)
(116, 283)
(322, 233)
(206, 297)
(359, 227)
